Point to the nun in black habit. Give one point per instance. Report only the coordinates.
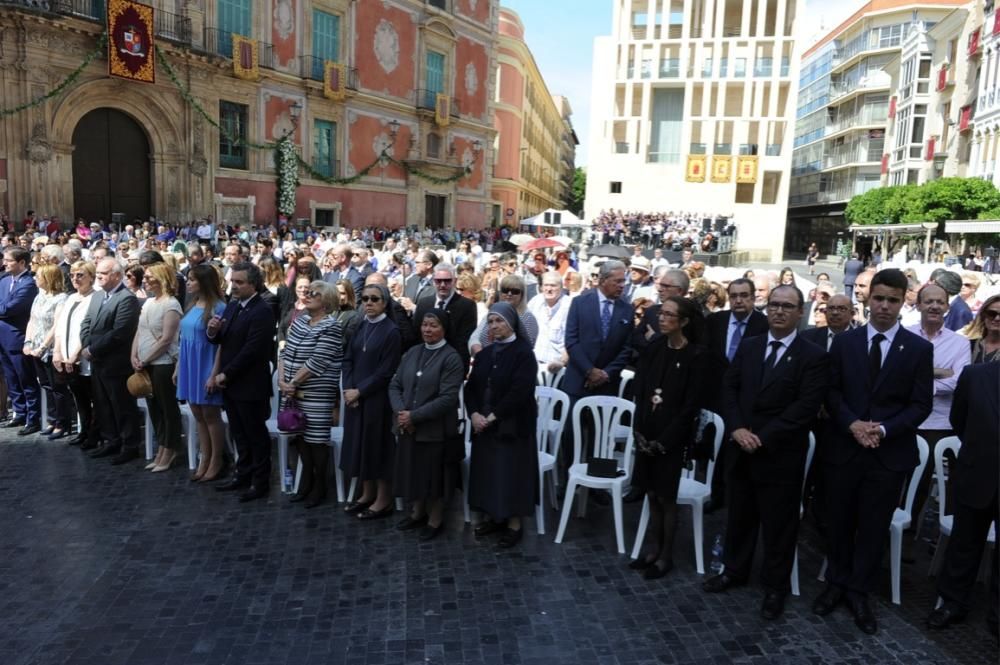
(500, 401)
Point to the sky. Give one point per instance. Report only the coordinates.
(560, 34)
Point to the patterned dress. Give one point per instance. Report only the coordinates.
(320, 348)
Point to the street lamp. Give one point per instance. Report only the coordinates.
(296, 111)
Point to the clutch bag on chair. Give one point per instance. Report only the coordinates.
(291, 418)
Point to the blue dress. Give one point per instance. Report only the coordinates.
(197, 357)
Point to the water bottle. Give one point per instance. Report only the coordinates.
(289, 478)
(716, 565)
(929, 524)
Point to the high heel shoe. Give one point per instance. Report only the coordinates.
(150, 466)
(159, 468)
(209, 477)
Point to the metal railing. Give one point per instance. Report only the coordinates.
(173, 27)
(219, 42)
(93, 10)
(426, 100)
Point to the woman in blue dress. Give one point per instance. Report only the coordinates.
(197, 366)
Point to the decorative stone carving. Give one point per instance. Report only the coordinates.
(284, 18)
(386, 46)
(468, 159)
(381, 143)
(198, 165)
(39, 149)
(471, 79)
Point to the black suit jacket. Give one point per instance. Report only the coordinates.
(246, 338)
(900, 399)
(975, 415)
(462, 316)
(716, 331)
(107, 330)
(778, 406)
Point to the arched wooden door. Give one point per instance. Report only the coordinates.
(110, 167)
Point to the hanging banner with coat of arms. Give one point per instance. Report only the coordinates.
(722, 168)
(746, 169)
(695, 171)
(334, 83)
(245, 58)
(130, 41)
(442, 110)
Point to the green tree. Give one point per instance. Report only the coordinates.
(575, 202)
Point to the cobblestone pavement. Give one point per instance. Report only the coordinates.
(110, 565)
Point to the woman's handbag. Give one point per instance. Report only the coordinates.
(291, 419)
(139, 384)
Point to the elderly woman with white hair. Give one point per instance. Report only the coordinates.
(309, 377)
(512, 290)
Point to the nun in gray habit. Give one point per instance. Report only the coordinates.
(424, 398)
(500, 402)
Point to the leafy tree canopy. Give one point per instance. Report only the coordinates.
(934, 201)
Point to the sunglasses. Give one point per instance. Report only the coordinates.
(510, 292)
(991, 314)
(371, 298)
(443, 281)
(313, 294)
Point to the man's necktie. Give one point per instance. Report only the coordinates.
(606, 319)
(875, 358)
(440, 304)
(829, 339)
(772, 357)
(734, 343)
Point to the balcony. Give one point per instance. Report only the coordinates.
(92, 10)
(874, 114)
(219, 42)
(426, 101)
(172, 27)
(856, 153)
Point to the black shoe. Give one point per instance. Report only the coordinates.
(431, 532)
(87, 446)
(315, 499)
(864, 618)
(355, 507)
(77, 440)
(633, 495)
(105, 451)
(126, 455)
(61, 434)
(488, 527)
(48, 430)
(721, 582)
(945, 615)
(642, 563)
(409, 523)
(253, 493)
(299, 497)
(510, 537)
(369, 514)
(773, 605)
(15, 422)
(232, 485)
(30, 428)
(828, 600)
(657, 570)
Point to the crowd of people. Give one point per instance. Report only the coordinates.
(406, 344)
(669, 229)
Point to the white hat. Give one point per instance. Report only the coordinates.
(641, 263)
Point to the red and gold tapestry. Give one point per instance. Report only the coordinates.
(442, 110)
(722, 168)
(130, 41)
(695, 168)
(746, 169)
(334, 83)
(245, 62)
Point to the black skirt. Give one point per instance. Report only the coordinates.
(420, 468)
(660, 474)
(503, 475)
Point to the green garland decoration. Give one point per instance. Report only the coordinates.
(66, 82)
(288, 176)
(384, 160)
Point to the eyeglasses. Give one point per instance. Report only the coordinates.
(510, 292)
(991, 314)
(371, 298)
(837, 308)
(511, 264)
(444, 281)
(313, 294)
(783, 306)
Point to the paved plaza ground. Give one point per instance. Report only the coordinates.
(114, 566)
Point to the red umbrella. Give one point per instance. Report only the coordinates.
(539, 243)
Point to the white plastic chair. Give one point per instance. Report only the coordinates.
(547, 378)
(607, 413)
(947, 522)
(627, 376)
(802, 510)
(553, 411)
(901, 518)
(690, 493)
(466, 425)
(147, 427)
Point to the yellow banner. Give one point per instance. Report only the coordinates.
(442, 110)
(695, 171)
(746, 169)
(245, 62)
(722, 168)
(334, 81)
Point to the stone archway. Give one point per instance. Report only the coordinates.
(110, 167)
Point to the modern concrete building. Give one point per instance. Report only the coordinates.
(532, 162)
(103, 146)
(844, 104)
(692, 109)
(567, 151)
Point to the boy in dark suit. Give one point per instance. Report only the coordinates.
(17, 293)
(881, 388)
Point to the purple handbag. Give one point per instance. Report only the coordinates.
(291, 419)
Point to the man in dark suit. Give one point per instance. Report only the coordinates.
(419, 285)
(723, 333)
(975, 416)
(852, 268)
(771, 394)
(838, 320)
(598, 330)
(17, 293)
(461, 311)
(881, 387)
(342, 268)
(245, 332)
(668, 282)
(106, 334)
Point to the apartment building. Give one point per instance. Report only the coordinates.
(692, 109)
